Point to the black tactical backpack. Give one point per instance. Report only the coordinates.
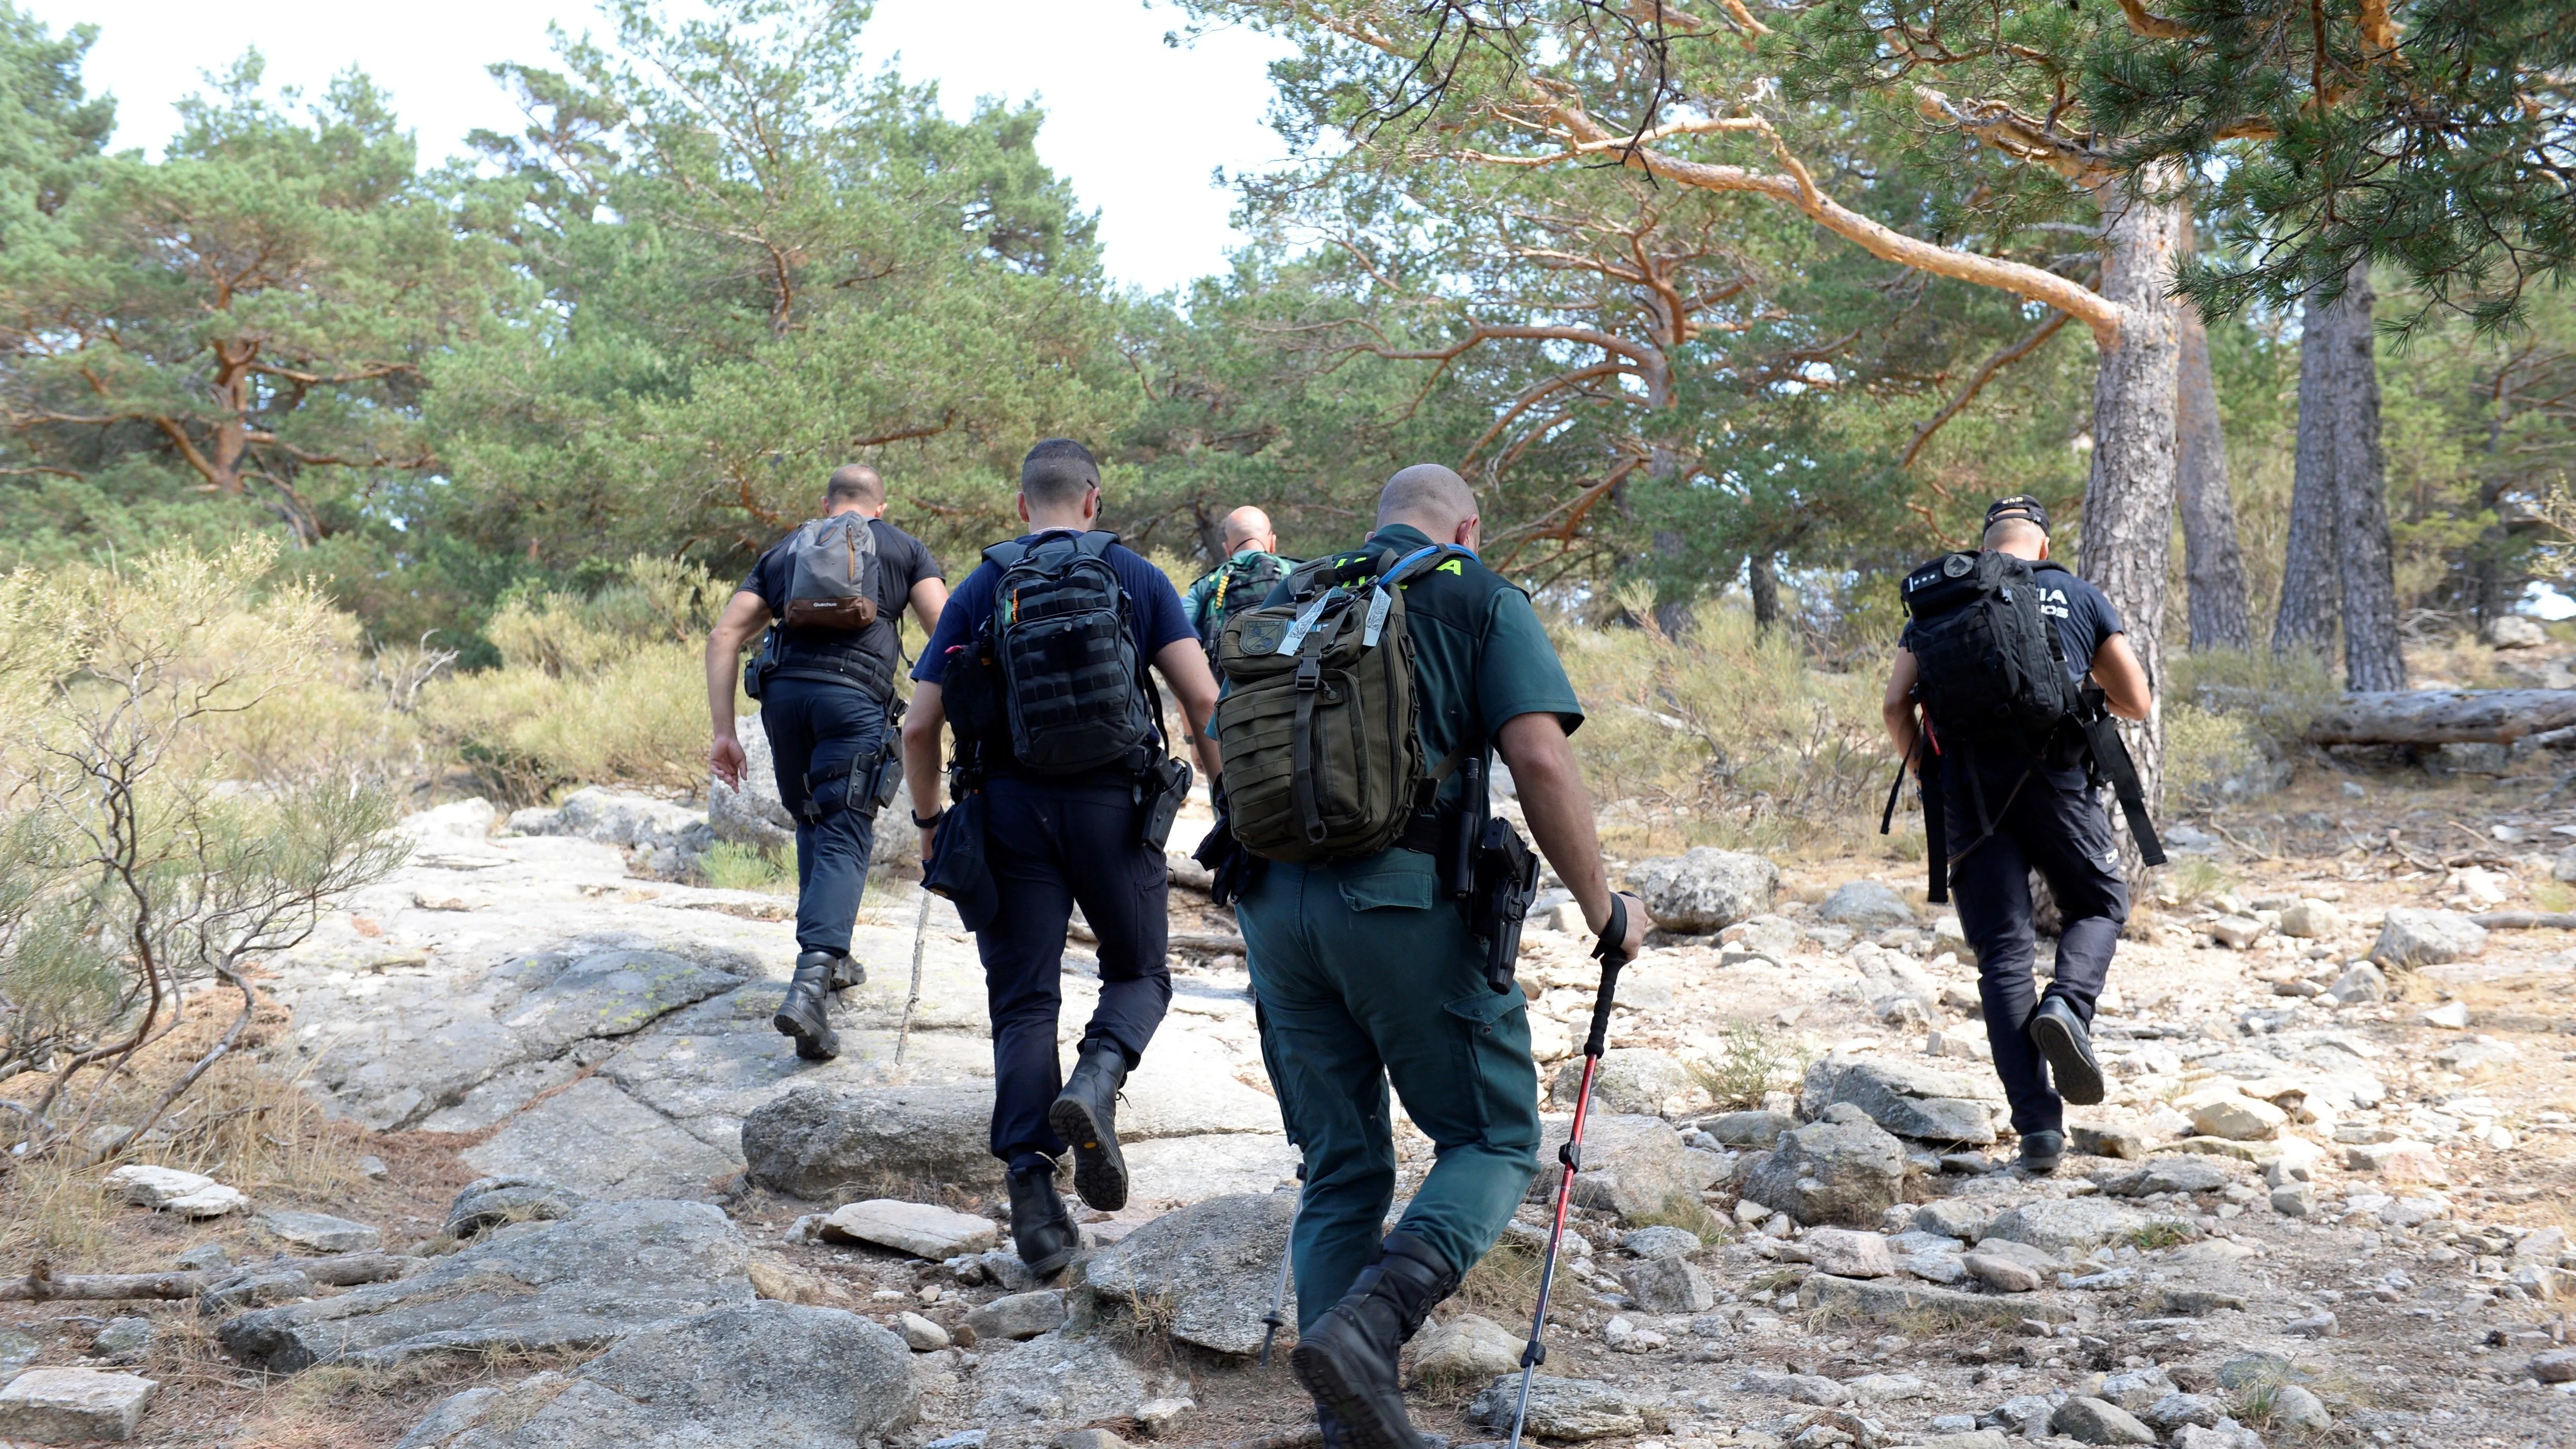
(1241, 583)
(1990, 665)
(1073, 689)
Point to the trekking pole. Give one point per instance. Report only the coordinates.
(920, 933)
(1611, 953)
(1275, 1319)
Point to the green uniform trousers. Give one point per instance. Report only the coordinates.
(1364, 973)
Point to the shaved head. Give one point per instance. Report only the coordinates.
(858, 483)
(1249, 527)
(1429, 497)
(2017, 536)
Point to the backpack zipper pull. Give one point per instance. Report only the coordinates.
(1376, 617)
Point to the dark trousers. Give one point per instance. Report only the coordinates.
(814, 727)
(1366, 974)
(2051, 824)
(1051, 846)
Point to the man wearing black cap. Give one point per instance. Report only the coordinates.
(2009, 811)
(1055, 835)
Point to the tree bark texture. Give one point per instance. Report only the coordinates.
(2372, 658)
(2129, 500)
(2443, 716)
(2311, 588)
(2213, 565)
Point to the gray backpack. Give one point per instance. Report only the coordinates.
(832, 574)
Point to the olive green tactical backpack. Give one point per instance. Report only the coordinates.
(1317, 727)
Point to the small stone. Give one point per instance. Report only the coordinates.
(1466, 1349)
(1662, 1242)
(1019, 1315)
(2225, 1434)
(2295, 1199)
(1813, 1389)
(1560, 1408)
(2237, 932)
(489, 1202)
(320, 1232)
(2106, 1142)
(1748, 1129)
(124, 1340)
(1887, 1388)
(2362, 983)
(1667, 1285)
(2135, 1389)
(923, 1230)
(1161, 1418)
(2311, 918)
(1955, 1217)
(2451, 1015)
(153, 1187)
(2172, 1411)
(2558, 1366)
(920, 1334)
(2238, 1118)
(2067, 1225)
(1866, 905)
(2097, 1421)
(2414, 937)
(971, 1439)
(206, 1258)
(373, 1169)
(1069, 1439)
(2400, 1161)
(2001, 1274)
(2295, 1407)
(2315, 1325)
(72, 1405)
(207, 1202)
(1848, 1253)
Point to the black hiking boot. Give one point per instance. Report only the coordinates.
(848, 971)
(2041, 1152)
(1040, 1227)
(2060, 1036)
(1348, 1362)
(804, 1015)
(1085, 1115)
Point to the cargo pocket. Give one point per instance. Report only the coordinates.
(1491, 1029)
(1402, 882)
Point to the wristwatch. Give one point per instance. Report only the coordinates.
(930, 824)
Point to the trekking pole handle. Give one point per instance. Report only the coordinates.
(1612, 953)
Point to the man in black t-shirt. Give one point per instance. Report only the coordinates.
(2010, 811)
(824, 700)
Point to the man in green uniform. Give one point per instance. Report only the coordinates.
(1366, 972)
(1252, 564)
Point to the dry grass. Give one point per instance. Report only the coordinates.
(1504, 1283)
(343, 1406)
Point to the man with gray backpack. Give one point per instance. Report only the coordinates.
(1363, 702)
(832, 595)
(1062, 791)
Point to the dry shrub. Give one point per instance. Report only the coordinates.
(1735, 730)
(1752, 1060)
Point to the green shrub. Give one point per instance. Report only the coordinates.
(2282, 695)
(1752, 1061)
(728, 866)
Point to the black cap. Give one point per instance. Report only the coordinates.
(2021, 506)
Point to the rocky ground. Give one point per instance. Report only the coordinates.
(601, 1203)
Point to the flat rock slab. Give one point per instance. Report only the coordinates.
(320, 1232)
(1052, 1381)
(817, 1142)
(1906, 1097)
(1182, 1170)
(73, 1405)
(917, 1228)
(607, 1270)
(1207, 1270)
(1559, 1408)
(1886, 1298)
(596, 1140)
(2067, 1225)
(773, 1374)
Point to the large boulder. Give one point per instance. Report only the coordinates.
(663, 836)
(1207, 1271)
(607, 1270)
(753, 815)
(1842, 1170)
(1906, 1097)
(816, 1142)
(1705, 889)
(1630, 1080)
(2414, 937)
(1631, 1164)
(1866, 905)
(774, 1374)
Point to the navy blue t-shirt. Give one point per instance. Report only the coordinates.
(1153, 609)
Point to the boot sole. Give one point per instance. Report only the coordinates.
(2078, 1076)
(1361, 1426)
(810, 1046)
(1099, 1168)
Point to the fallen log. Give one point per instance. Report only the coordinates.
(337, 1271)
(2526, 920)
(1212, 942)
(2443, 716)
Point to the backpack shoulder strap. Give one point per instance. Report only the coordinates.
(1095, 544)
(1006, 553)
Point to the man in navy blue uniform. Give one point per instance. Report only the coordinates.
(824, 700)
(2049, 820)
(1053, 841)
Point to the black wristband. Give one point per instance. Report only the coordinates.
(932, 823)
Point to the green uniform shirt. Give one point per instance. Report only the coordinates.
(1480, 657)
(1202, 595)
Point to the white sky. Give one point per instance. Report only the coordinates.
(1136, 126)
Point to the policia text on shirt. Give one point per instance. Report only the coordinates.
(1364, 967)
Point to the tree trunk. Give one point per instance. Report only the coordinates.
(2212, 564)
(2444, 717)
(1762, 581)
(2129, 500)
(2372, 658)
(2311, 585)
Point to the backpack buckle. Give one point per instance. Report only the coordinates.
(1310, 674)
